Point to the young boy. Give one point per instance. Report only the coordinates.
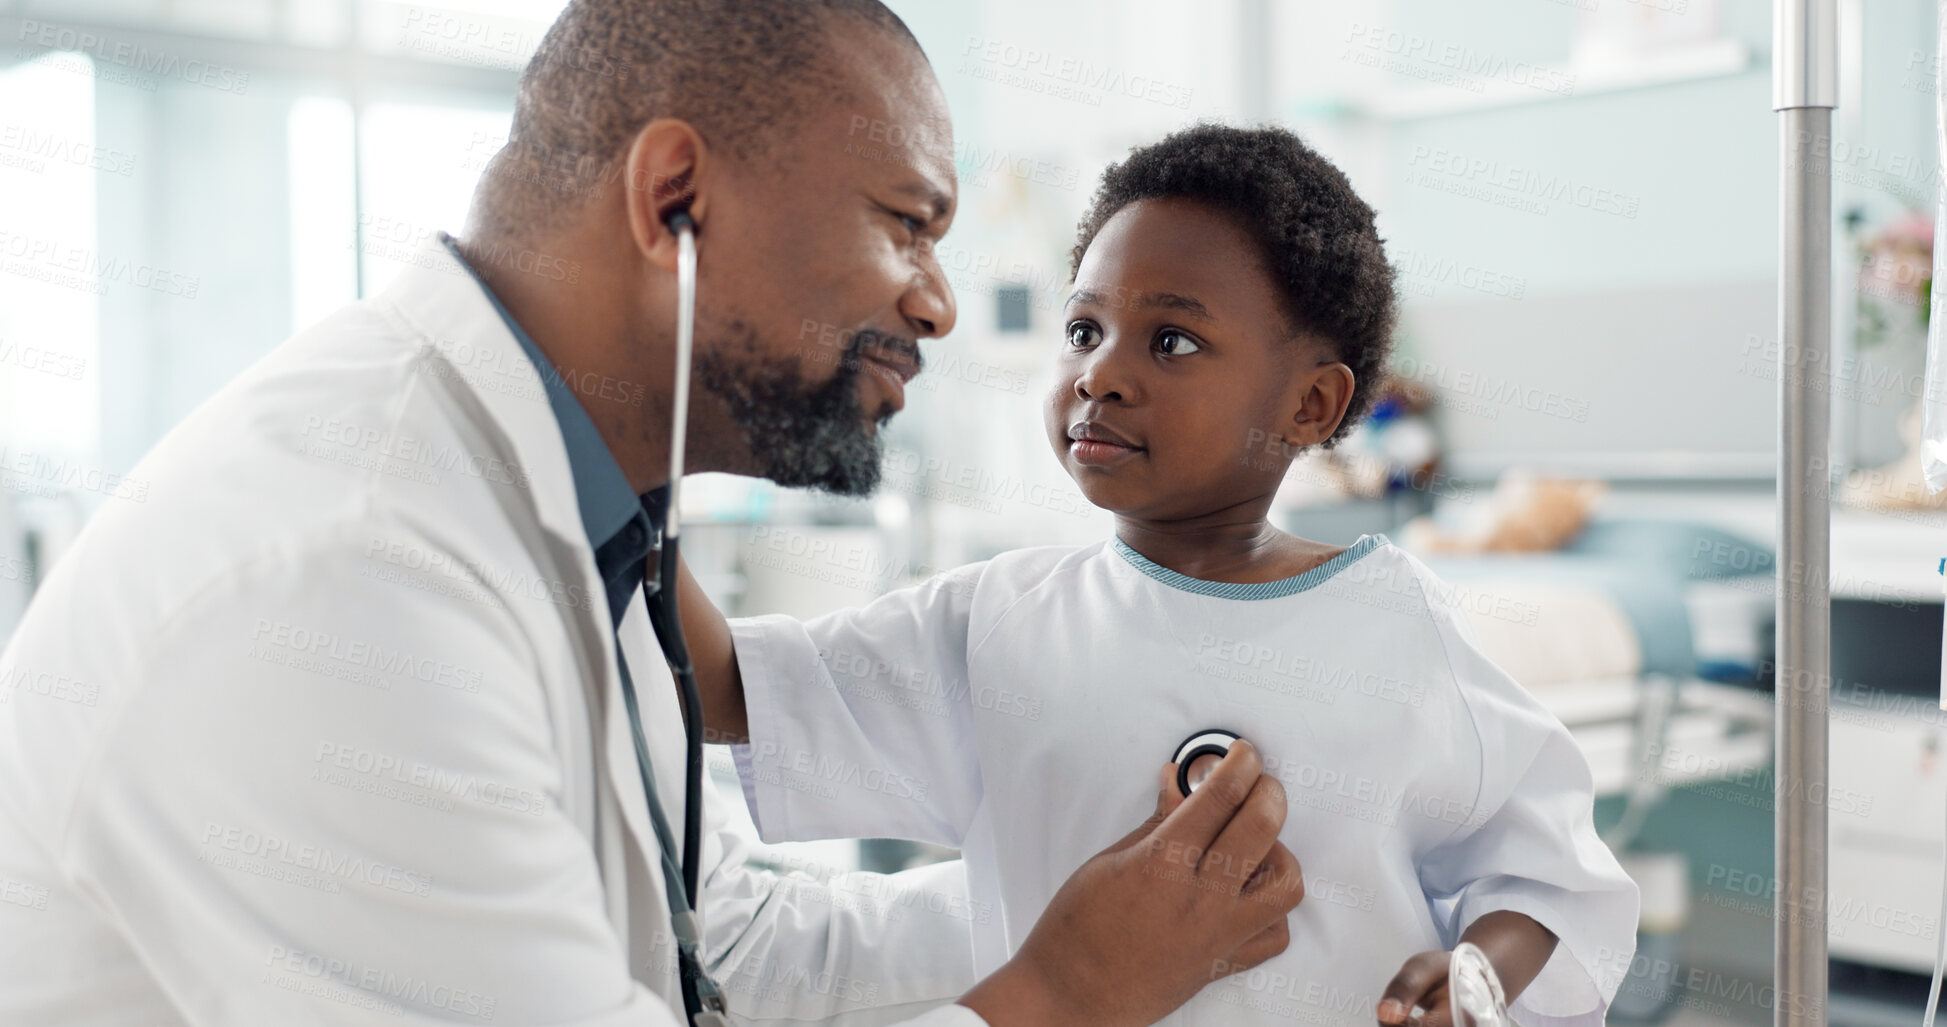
(1232, 307)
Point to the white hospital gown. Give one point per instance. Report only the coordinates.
(1019, 709)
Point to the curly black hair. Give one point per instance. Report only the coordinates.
(1317, 237)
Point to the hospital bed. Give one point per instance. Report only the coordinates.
(1645, 638)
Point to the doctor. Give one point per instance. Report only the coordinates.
(329, 728)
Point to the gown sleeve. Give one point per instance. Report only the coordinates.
(860, 720)
(1530, 845)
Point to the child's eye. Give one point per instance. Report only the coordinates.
(1081, 334)
(1174, 343)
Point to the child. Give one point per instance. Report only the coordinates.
(1231, 308)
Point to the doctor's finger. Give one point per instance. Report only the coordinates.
(1197, 821)
(1278, 883)
(1270, 942)
(1167, 800)
(1247, 841)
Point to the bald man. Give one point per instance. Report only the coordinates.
(332, 728)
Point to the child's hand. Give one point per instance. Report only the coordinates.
(1515, 944)
(1417, 995)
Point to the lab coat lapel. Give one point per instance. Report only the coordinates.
(449, 310)
(447, 307)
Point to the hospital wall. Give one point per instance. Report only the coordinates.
(1660, 278)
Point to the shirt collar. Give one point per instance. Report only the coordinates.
(602, 491)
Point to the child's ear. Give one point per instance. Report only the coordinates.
(1320, 398)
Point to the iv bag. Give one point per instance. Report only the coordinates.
(1933, 432)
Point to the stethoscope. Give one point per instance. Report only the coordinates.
(702, 997)
(1199, 755)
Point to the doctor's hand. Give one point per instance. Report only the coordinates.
(1200, 891)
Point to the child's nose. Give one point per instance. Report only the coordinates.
(1101, 380)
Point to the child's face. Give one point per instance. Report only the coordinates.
(1175, 346)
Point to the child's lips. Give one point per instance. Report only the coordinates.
(1097, 453)
(1095, 444)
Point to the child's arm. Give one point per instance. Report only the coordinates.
(855, 724)
(1523, 841)
(718, 683)
(1515, 944)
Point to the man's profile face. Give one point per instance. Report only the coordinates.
(821, 279)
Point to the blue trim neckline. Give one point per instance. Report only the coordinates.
(1278, 589)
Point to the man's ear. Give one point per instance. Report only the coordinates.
(1323, 394)
(666, 167)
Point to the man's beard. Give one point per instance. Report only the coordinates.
(801, 435)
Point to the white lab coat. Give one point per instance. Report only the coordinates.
(1019, 709)
(322, 724)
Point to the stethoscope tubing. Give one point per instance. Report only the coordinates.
(702, 999)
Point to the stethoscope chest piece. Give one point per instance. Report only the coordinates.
(1199, 755)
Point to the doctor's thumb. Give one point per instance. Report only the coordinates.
(1168, 797)
(1167, 800)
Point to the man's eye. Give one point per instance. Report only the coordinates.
(913, 224)
(1082, 334)
(1176, 343)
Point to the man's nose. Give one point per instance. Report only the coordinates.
(928, 305)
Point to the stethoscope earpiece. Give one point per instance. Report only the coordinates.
(1214, 741)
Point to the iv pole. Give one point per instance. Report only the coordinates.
(1804, 63)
